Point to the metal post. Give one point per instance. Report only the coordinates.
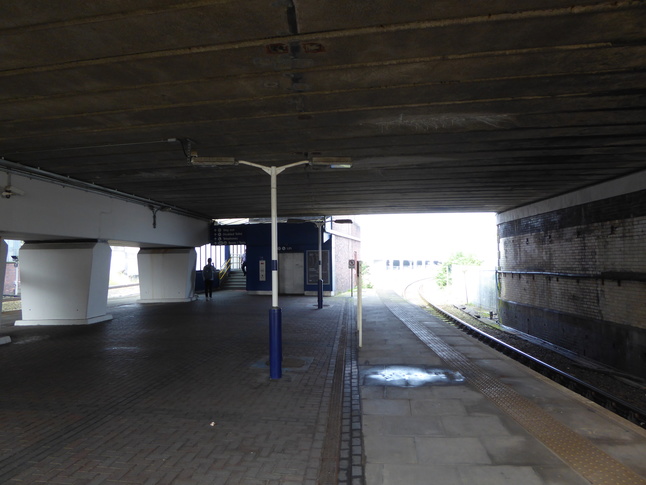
(320, 282)
(359, 305)
(275, 314)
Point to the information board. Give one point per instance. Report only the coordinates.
(228, 235)
(313, 267)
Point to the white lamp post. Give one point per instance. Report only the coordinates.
(275, 313)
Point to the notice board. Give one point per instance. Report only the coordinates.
(313, 267)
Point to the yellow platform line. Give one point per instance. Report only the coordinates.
(577, 451)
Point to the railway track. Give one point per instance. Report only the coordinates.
(413, 293)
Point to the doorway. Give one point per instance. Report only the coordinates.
(291, 273)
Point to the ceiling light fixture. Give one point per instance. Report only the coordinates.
(332, 162)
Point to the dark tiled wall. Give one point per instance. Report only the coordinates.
(577, 278)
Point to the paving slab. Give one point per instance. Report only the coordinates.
(175, 393)
(478, 430)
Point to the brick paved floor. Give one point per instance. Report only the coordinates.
(171, 394)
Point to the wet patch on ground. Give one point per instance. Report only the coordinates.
(408, 376)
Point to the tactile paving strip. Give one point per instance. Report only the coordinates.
(581, 454)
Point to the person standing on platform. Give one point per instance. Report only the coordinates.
(208, 274)
(243, 266)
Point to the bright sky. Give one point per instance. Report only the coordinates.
(428, 236)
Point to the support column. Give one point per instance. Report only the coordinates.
(64, 283)
(167, 274)
(3, 261)
(3, 268)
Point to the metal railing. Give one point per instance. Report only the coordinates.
(224, 271)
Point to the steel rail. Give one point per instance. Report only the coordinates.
(603, 398)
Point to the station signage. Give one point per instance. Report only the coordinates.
(228, 235)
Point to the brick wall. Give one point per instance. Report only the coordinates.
(9, 287)
(577, 277)
(344, 250)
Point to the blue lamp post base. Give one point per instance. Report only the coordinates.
(320, 294)
(275, 343)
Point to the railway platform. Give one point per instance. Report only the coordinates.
(448, 409)
(180, 394)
